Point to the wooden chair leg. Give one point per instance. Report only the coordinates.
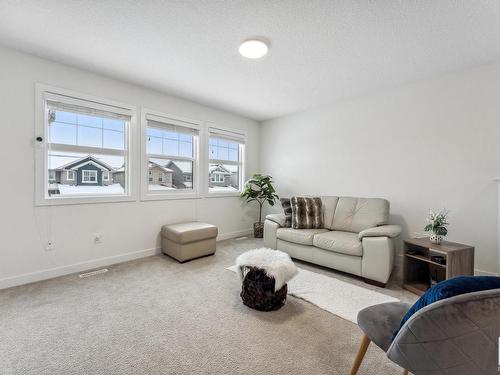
(405, 372)
(365, 341)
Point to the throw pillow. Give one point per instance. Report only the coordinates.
(450, 288)
(287, 209)
(306, 213)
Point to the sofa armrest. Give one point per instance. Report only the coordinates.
(270, 234)
(277, 218)
(390, 231)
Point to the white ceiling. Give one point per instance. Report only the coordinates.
(321, 51)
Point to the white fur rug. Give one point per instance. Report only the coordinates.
(335, 296)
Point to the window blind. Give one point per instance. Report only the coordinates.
(226, 134)
(68, 104)
(172, 125)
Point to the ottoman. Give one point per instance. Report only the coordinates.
(187, 241)
(265, 273)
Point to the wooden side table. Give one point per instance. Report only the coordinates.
(419, 271)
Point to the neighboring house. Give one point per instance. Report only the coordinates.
(119, 176)
(181, 179)
(221, 176)
(170, 175)
(159, 175)
(87, 171)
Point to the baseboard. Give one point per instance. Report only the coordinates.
(484, 273)
(74, 268)
(229, 235)
(50, 273)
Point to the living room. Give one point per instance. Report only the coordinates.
(174, 159)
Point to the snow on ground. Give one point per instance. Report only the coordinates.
(223, 188)
(160, 187)
(86, 190)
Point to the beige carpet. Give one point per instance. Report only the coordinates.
(155, 316)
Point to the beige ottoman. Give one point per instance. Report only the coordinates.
(186, 241)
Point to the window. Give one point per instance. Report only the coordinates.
(226, 162)
(170, 160)
(85, 140)
(89, 177)
(217, 177)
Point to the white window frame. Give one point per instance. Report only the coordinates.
(52, 175)
(105, 176)
(91, 172)
(169, 119)
(240, 137)
(72, 173)
(45, 92)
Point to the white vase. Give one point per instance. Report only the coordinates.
(436, 238)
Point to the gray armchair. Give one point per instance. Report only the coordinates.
(455, 336)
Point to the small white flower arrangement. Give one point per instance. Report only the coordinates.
(437, 223)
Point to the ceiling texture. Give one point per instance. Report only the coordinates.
(321, 51)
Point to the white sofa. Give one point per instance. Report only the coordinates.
(356, 238)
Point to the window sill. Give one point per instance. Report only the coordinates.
(217, 194)
(169, 196)
(83, 200)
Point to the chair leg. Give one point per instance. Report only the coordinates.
(405, 372)
(365, 341)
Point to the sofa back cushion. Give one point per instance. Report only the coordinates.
(356, 214)
(329, 204)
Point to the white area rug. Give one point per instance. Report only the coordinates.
(335, 296)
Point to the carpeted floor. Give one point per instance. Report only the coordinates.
(156, 316)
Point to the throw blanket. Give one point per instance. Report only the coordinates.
(275, 263)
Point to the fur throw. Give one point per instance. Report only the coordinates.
(306, 213)
(277, 265)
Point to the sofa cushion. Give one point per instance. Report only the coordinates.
(306, 213)
(340, 242)
(357, 214)
(299, 236)
(329, 204)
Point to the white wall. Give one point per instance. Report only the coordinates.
(127, 228)
(433, 144)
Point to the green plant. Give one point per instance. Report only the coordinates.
(437, 223)
(260, 189)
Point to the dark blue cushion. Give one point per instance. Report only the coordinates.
(450, 288)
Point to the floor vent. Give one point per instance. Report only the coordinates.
(93, 273)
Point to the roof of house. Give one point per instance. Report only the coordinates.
(219, 168)
(165, 169)
(85, 159)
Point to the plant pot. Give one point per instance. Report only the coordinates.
(436, 238)
(258, 230)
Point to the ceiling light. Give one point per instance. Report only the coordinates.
(253, 49)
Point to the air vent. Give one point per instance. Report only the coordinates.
(92, 273)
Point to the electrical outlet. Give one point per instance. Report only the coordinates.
(50, 246)
(97, 238)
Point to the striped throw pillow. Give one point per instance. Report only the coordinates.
(306, 213)
(287, 209)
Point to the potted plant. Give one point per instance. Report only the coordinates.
(437, 223)
(260, 189)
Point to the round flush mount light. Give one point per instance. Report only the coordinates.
(253, 49)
